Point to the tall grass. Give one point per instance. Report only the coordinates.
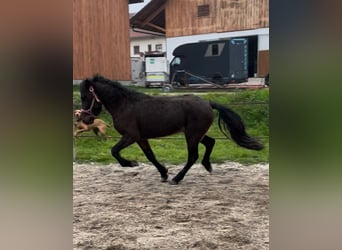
(172, 149)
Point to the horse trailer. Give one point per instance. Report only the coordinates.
(220, 62)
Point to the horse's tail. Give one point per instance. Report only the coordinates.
(232, 122)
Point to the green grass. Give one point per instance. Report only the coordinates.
(172, 149)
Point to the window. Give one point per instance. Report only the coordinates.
(203, 10)
(214, 50)
(136, 50)
(149, 47)
(159, 47)
(176, 61)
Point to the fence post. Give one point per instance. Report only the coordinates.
(73, 145)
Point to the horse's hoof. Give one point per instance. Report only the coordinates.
(207, 167)
(130, 164)
(173, 182)
(134, 164)
(164, 179)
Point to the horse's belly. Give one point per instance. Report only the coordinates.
(159, 128)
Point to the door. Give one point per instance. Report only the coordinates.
(238, 59)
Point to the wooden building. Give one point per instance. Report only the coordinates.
(209, 19)
(101, 38)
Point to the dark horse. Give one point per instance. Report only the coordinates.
(139, 117)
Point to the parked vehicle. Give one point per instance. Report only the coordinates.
(137, 70)
(219, 62)
(156, 69)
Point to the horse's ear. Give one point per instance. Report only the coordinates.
(97, 77)
(87, 86)
(87, 83)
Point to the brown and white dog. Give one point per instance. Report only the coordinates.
(88, 122)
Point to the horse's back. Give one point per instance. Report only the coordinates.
(175, 107)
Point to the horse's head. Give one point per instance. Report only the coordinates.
(89, 98)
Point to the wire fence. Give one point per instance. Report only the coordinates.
(159, 138)
(169, 137)
(181, 138)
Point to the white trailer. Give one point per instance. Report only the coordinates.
(156, 69)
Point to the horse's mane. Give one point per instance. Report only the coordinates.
(115, 89)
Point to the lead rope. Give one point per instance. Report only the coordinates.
(91, 89)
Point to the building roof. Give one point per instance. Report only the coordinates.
(134, 34)
(150, 18)
(142, 34)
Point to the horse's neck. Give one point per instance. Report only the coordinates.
(113, 103)
(116, 107)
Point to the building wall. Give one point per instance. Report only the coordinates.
(145, 41)
(224, 16)
(264, 41)
(264, 61)
(101, 42)
(263, 55)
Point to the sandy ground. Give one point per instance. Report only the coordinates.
(119, 208)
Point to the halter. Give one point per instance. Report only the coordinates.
(95, 98)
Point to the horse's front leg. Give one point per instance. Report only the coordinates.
(124, 142)
(146, 148)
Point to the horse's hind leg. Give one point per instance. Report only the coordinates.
(192, 157)
(209, 143)
(146, 148)
(124, 142)
(192, 143)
